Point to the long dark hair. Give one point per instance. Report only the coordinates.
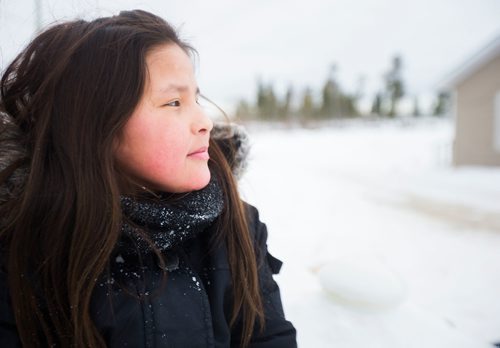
(69, 93)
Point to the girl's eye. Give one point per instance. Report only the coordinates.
(175, 103)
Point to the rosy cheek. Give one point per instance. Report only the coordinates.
(157, 146)
(164, 155)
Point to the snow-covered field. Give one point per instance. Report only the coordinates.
(380, 196)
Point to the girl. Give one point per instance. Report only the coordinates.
(121, 223)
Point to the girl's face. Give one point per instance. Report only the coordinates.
(164, 143)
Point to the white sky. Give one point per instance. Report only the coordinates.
(295, 42)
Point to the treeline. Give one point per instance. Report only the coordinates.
(333, 102)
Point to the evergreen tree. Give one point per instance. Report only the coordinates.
(261, 98)
(348, 106)
(336, 103)
(416, 107)
(377, 104)
(330, 99)
(394, 85)
(331, 96)
(285, 109)
(441, 105)
(267, 104)
(307, 107)
(272, 103)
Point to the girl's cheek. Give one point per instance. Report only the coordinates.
(164, 157)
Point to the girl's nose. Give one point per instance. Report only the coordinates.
(203, 123)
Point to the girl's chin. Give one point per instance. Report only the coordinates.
(202, 182)
(196, 183)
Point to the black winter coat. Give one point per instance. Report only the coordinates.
(193, 309)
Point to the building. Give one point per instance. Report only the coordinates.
(475, 91)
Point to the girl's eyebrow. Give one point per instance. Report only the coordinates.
(177, 88)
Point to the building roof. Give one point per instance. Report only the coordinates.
(470, 66)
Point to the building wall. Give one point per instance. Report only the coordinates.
(475, 117)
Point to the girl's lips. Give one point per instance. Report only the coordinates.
(201, 153)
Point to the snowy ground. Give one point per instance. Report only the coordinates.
(381, 191)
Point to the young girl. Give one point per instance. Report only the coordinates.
(121, 223)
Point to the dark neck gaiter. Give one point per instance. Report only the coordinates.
(168, 224)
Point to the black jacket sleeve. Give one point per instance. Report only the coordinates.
(8, 332)
(278, 332)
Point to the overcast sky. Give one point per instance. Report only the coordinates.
(295, 42)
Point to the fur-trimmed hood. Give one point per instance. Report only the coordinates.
(232, 139)
(11, 152)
